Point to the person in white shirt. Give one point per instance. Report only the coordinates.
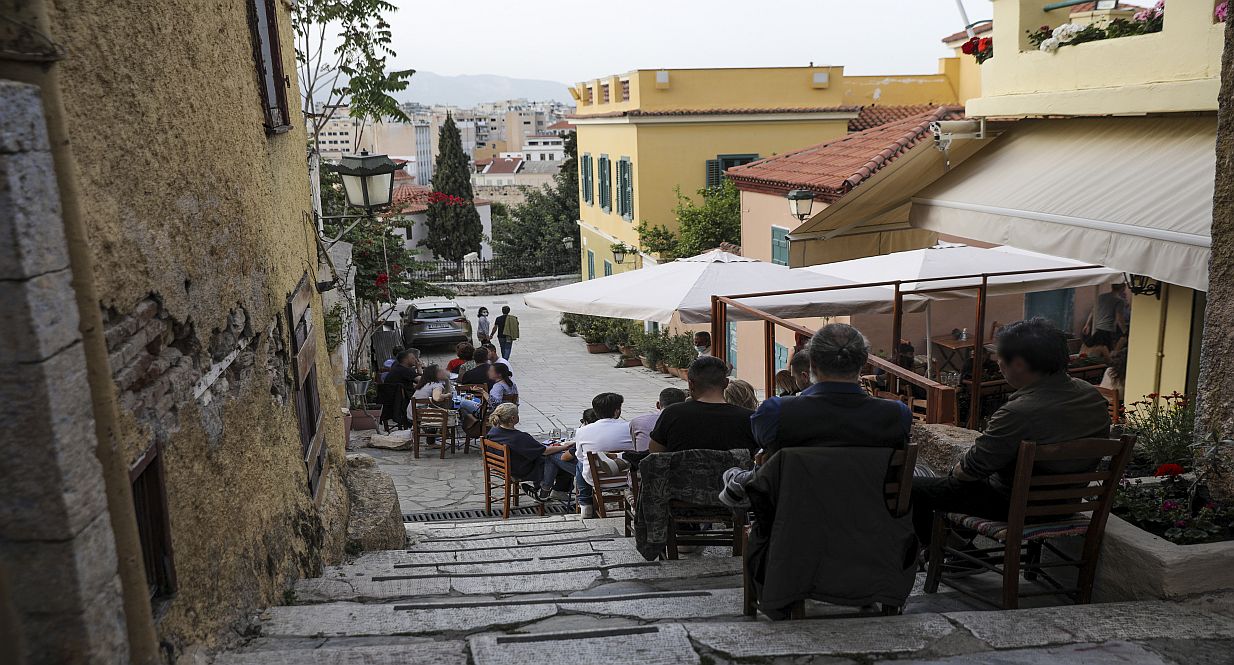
(609, 433)
(641, 426)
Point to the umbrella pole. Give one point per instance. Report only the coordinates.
(974, 408)
(769, 359)
(897, 323)
(929, 325)
(719, 334)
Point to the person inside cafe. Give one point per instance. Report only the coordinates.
(549, 476)
(1048, 406)
(799, 366)
(435, 386)
(608, 433)
(479, 373)
(1109, 319)
(706, 421)
(741, 393)
(463, 354)
(388, 363)
(641, 426)
(833, 410)
(702, 343)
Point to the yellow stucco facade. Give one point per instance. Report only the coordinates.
(670, 123)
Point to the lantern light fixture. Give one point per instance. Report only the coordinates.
(368, 180)
(800, 202)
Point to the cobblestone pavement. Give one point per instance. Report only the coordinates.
(556, 378)
(567, 590)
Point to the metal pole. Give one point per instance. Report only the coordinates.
(769, 359)
(974, 408)
(897, 322)
(968, 27)
(929, 325)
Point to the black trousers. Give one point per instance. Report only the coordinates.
(978, 498)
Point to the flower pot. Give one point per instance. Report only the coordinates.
(631, 362)
(628, 351)
(597, 347)
(663, 367)
(365, 418)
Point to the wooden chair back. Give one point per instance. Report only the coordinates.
(1038, 496)
(899, 485)
(609, 488)
(496, 460)
(1111, 398)
(429, 415)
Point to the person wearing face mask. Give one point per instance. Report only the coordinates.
(702, 343)
(834, 410)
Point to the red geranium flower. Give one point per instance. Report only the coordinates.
(1169, 469)
(983, 45)
(969, 46)
(382, 279)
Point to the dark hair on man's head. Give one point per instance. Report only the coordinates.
(395, 351)
(607, 404)
(1038, 341)
(402, 355)
(489, 346)
(505, 309)
(708, 372)
(480, 355)
(703, 336)
(504, 372)
(465, 350)
(838, 349)
(670, 396)
(800, 363)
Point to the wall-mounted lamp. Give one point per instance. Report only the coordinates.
(800, 202)
(1143, 285)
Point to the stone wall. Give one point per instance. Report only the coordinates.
(1216, 385)
(504, 287)
(200, 226)
(58, 577)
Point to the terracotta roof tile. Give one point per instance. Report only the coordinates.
(874, 115)
(561, 124)
(504, 165)
(977, 29)
(832, 169)
(638, 113)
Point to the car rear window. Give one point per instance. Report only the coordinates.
(438, 313)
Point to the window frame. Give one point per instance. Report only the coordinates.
(269, 67)
(150, 509)
(715, 168)
(303, 339)
(606, 183)
(625, 188)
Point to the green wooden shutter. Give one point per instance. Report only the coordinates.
(779, 246)
(714, 174)
(606, 184)
(591, 264)
(781, 356)
(587, 178)
(625, 189)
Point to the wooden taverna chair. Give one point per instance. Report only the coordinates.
(609, 488)
(1044, 506)
(497, 477)
(431, 421)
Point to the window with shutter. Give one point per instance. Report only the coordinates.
(585, 178)
(779, 246)
(781, 356)
(625, 189)
(308, 403)
(591, 264)
(606, 184)
(716, 167)
(268, 59)
(713, 173)
(608, 268)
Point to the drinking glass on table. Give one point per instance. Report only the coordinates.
(555, 435)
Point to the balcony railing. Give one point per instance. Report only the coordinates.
(496, 269)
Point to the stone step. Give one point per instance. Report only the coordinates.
(348, 651)
(368, 583)
(490, 542)
(454, 530)
(341, 619)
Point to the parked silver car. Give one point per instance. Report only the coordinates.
(429, 321)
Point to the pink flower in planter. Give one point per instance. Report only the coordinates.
(1180, 523)
(1169, 504)
(1222, 12)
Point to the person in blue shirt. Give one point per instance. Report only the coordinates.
(834, 410)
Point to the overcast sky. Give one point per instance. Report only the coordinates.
(574, 40)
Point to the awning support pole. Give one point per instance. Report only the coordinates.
(769, 359)
(897, 323)
(974, 408)
(929, 325)
(719, 329)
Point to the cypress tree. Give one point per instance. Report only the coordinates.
(453, 229)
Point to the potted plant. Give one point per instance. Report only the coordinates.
(569, 324)
(1164, 427)
(628, 361)
(680, 354)
(594, 331)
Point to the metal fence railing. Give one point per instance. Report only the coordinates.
(494, 269)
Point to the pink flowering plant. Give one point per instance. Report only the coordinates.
(1164, 427)
(1146, 21)
(1222, 11)
(1172, 510)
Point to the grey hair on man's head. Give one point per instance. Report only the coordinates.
(838, 349)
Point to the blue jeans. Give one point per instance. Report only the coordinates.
(506, 345)
(468, 406)
(553, 465)
(585, 492)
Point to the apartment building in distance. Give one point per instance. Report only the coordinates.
(646, 133)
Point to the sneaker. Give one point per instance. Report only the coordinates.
(587, 511)
(560, 495)
(542, 496)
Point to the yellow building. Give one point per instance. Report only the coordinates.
(1111, 161)
(646, 133)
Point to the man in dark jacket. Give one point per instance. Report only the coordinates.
(1048, 406)
(478, 374)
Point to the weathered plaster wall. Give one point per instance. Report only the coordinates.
(1216, 408)
(200, 227)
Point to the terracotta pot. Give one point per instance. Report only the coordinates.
(631, 362)
(364, 418)
(663, 367)
(597, 347)
(628, 351)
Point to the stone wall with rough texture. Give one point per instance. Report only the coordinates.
(200, 226)
(1216, 384)
(942, 446)
(57, 550)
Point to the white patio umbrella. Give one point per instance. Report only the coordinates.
(685, 287)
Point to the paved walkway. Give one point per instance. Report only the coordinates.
(556, 378)
(568, 590)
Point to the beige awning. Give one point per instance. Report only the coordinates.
(881, 203)
(1133, 194)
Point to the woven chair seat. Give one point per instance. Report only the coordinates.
(1076, 526)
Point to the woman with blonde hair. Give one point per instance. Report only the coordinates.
(549, 476)
(741, 393)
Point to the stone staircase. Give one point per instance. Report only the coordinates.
(566, 590)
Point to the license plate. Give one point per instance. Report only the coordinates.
(438, 326)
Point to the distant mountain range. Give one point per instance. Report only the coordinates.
(471, 89)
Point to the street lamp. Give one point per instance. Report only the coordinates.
(568, 242)
(800, 201)
(619, 254)
(367, 179)
(1143, 285)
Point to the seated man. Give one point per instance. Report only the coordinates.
(1048, 406)
(405, 371)
(531, 460)
(833, 410)
(478, 374)
(799, 367)
(706, 421)
(608, 433)
(641, 426)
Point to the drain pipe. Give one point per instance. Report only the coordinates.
(28, 22)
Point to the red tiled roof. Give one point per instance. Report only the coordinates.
(977, 29)
(638, 113)
(561, 124)
(834, 168)
(875, 116)
(414, 198)
(505, 165)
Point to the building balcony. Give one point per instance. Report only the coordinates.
(1175, 70)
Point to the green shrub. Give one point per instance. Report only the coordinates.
(680, 351)
(1164, 426)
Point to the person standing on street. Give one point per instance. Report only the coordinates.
(506, 330)
(482, 326)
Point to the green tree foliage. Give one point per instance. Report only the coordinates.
(535, 229)
(701, 227)
(452, 231)
(355, 72)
